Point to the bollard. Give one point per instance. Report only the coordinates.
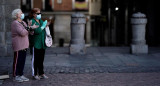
(77, 43)
(139, 45)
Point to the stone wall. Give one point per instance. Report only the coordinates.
(61, 27)
(6, 8)
(95, 7)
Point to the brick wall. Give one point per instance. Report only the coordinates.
(66, 5)
(37, 4)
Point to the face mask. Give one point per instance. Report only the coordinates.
(22, 16)
(38, 16)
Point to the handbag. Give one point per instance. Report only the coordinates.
(48, 39)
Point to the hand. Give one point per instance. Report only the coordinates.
(44, 25)
(31, 32)
(29, 22)
(48, 23)
(34, 26)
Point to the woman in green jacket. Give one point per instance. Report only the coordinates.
(38, 44)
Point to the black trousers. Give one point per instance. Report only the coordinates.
(19, 62)
(38, 61)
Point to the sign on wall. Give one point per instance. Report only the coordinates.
(81, 5)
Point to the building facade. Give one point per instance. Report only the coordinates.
(108, 21)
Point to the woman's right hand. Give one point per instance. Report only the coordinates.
(34, 26)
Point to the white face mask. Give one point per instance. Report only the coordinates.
(22, 16)
(38, 16)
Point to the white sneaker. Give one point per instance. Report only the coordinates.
(18, 79)
(36, 77)
(24, 78)
(44, 76)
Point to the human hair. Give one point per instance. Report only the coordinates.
(15, 12)
(33, 11)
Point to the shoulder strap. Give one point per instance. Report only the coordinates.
(27, 28)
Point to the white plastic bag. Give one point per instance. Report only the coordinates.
(48, 40)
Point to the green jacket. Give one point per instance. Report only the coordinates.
(39, 36)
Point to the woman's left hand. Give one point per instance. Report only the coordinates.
(29, 22)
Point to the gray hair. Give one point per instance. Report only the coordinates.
(15, 12)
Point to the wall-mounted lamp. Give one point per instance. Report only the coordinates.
(116, 8)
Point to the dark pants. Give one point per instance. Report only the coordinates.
(38, 61)
(18, 63)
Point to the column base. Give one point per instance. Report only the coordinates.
(9, 50)
(139, 49)
(77, 49)
(3, 50)
(6, 50)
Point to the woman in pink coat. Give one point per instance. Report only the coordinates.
(20, 43)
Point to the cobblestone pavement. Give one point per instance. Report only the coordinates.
(110, 62)
(93, 79)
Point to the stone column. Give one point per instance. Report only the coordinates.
(139, 45)
(77, 43)
(3, 49)
(6, 8)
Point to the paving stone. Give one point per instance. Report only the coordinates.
(110, 62)
(58, 69)
(1, 82)
(93, 79)
(53, 70)
(62, 70)
(77, 70)
(71, 70)
(66, 69)
(82, 70)
(91, 70)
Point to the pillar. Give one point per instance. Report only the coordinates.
(77, 43)
(139, 45)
